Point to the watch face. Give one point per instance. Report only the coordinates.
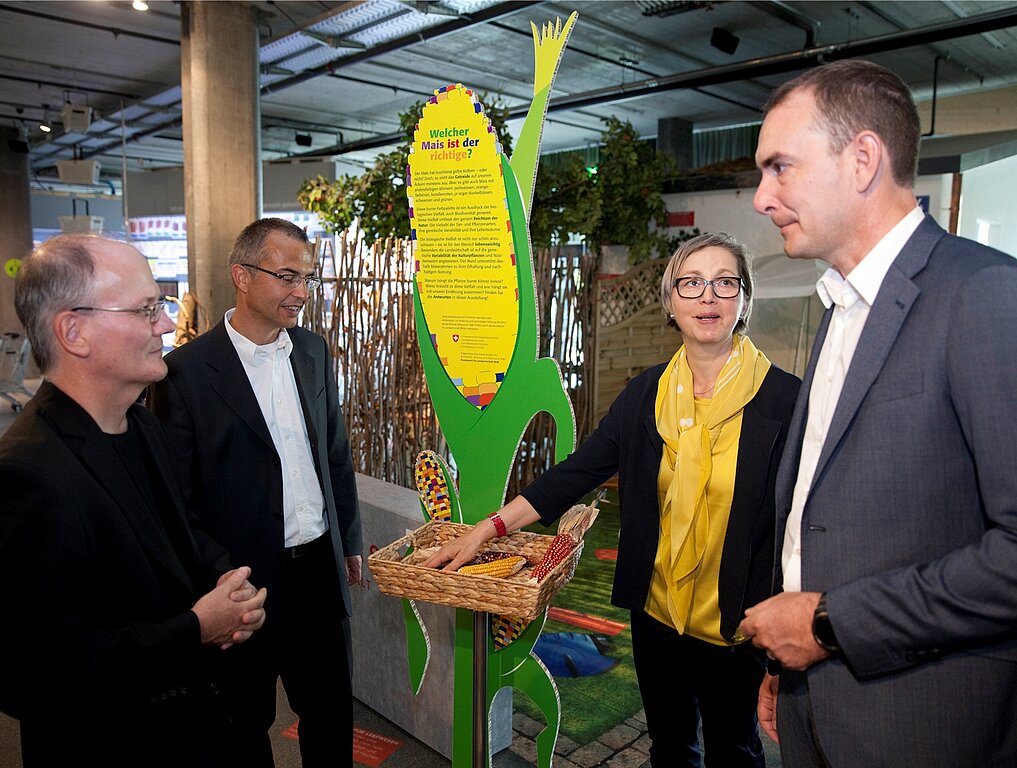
(822, 630)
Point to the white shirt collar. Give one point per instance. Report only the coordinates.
(866, 278)
(254, 354)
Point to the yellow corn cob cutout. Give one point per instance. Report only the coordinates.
(499, 569)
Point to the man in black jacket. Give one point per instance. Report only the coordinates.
(252, 413)
(115, 610)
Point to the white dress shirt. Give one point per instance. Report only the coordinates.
(271, 375)
(851, 297)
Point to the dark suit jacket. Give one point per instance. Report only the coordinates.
(95, 594)
(232, 473)
(627, 442)
(911, 522)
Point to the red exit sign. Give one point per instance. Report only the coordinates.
(681, 218)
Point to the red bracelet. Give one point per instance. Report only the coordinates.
(499, 524)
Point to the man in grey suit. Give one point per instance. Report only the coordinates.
(895, 622)
(252, 413)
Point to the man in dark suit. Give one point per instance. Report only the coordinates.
(897, 496)
(252, 412)
(113, 609)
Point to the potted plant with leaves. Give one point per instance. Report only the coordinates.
(565, 202)
(630, 185)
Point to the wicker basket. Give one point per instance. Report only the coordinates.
(512, 596)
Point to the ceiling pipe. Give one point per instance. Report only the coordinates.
(876, 10)
(786, 13)
(63, 86)
(487, 14)
(115, 31)
(778, 64)
(935, 86)
(790, 62)
(771, 65)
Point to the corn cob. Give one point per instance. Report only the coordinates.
(557, 551)
(489, 556)
(500, 568)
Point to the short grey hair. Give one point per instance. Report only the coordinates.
(716, 240)
(58, 276)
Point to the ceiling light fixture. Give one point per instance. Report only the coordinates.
(44, 126)
(139, 5)
(302, 139)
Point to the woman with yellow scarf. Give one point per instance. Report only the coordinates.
(695, 442)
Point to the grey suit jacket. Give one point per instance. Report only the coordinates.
(232, 478)
(911, 522)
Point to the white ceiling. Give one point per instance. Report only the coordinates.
(641, 61)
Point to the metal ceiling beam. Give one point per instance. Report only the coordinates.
(115, 31)
(487, 14)
(770, 65)
(784, 12)
(790, 62)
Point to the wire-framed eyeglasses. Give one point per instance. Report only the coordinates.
(694, 287)
(154, 311)
(290, 279)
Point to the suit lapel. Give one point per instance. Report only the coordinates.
(304, 365)
(896, 297)
(229, 380)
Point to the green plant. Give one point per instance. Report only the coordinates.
(333, 201)
(565, 201)
(378, 197)
(682, 236)
(630, 181)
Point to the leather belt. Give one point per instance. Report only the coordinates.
(299, 550)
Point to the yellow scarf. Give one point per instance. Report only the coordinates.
(688, 451)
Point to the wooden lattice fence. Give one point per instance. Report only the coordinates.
(631, 334)
(365, 310)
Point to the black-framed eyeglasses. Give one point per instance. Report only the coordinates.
(694, 287)
(291, 280)
(154, 311)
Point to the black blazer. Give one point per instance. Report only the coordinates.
(231, 472)
(626, 442)
(95, 592)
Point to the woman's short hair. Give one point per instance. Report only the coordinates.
(742, 258)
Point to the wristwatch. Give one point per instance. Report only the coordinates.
(822, 629)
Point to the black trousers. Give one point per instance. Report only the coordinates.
(682, 679)
(309, 648)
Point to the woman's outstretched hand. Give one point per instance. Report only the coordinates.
(462, 550)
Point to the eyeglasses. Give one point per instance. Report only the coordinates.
(289, 279)
(694, 287)
(154, 311)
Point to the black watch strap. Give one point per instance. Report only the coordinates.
(822, 629)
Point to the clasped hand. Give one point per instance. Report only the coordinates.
(231, 612)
